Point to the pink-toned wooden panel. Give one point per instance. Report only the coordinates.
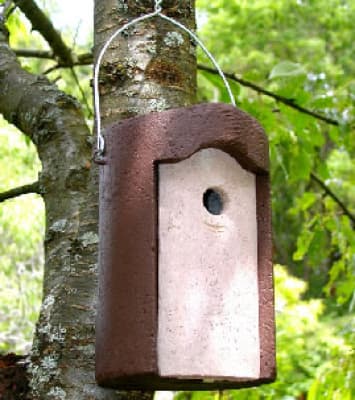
(208, 312)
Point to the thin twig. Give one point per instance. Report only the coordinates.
(56, 79)
(289, 102)
(34, 53)
(80, 59)
(82, 92)
(59, 66)
(19, 191)
(331, 194)
(52, 69)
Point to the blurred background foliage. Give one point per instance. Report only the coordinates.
(21, 250)
(302, 50)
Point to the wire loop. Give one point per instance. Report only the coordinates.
(158, 5)
(156, 13)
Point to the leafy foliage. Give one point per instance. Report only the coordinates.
(21, 254)
(299, 50)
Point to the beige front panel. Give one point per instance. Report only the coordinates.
(208, 291)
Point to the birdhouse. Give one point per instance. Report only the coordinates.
(185, 283)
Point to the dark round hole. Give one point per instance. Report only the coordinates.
(212, 201)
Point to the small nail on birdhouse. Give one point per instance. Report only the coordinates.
(186, 289)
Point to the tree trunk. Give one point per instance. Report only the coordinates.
(150, 68)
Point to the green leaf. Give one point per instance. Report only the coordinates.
(303, 243)
(287, 69)
(307, 200)
(301, 165)
(323, 171)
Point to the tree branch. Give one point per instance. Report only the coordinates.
(48, 55)
(331, 194)
(44, 26)
(82, 92)
(33, 104)
(19, 191)
(86, 59)
(281, 99)
(81, 59)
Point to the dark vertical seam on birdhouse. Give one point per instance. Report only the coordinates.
(259, 238)
(156, 255)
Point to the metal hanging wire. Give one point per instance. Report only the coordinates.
(156, 13)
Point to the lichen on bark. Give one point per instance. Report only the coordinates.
(160, 66)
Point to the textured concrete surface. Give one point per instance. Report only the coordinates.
(208, 318)
(127, 312)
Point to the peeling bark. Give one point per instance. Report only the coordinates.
(151, 68)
